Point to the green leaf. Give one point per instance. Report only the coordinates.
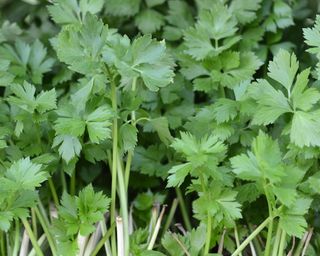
(305, 129)
(150, 61)
(271, 102)
(304, 98)
(312, 37)
(69, 148)
(292, 220)
(72, 11)
(149, 21)
(214, 24)
(122, 7)
(244, 10)
(27, 61)
(25, 174)
(128, 134)
(161, 126)
(225, 110)
(283, 68)
(98, 124)
(80, 46)
(91, 208)
(178, 174)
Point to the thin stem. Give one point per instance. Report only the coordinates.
(63, 181)
(53, 192)
(124, 206)
(32, 237)
(73, 183)
(156, 229)
(276, 242)
(120, 237)
(307, 242)
(251, 236)
(282, 243)
(46, 230)
(103, 240)
(236, 236)
(300, 244)
(2, 244)
(16, 238)
(128, 167)
(183, 247)
(270, 227)
(114, 164)
(221, 242)
(183, 209)
(130, 153)
(34, 223)
(170, 216)
(208, 236)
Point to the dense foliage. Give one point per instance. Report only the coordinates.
(159, 127)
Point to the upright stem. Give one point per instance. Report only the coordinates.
(208, 236)
(34, 223)
(130, 153)
(16, 238)
(270, 227)
(276, 241)
(32, 237)
(47, 232)
(114, 164)
(53, 192)
(73, 183)
(251, 237)
(236, 235)
(282, 243)
(124, 208)
(2, 244)
(183, 209)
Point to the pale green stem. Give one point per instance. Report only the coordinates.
(251, 237)
(47, 232)
(183, 209)
(32, 237)
(53, 192)
(114, 165)
(124, 207)
(282, 243)
(276, 242)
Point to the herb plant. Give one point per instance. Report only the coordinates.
(159, 127)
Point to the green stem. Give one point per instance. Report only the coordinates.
(270, 227)
(130, 153)
(251, 236)
(299, 249)
(53, 192)
(34, 223)
(73, 183)
(183, 209)
(32, 237)
(170, 216)
(103, 240)
(63, 181)
(124, 207)
(2, 245)
(208, 236)
(276, 241)
(269, 238)
(282, 243)
(16, 239)
(114, 164)
(128, 167)
(46, 230)
(236, 235)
